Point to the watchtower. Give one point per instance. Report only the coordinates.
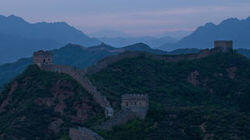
(137, 103)
(223, 46)
(42, 58)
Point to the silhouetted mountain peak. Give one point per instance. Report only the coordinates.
(210, 24)
(102, 46)
(230, 21)
(15, 19)
(138, 46)
(207, 26)
(70, 45)
(229, 29)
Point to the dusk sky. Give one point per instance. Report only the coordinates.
(135, 17)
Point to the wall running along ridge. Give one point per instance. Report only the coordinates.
(80, 76)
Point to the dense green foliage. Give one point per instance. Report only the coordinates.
(11, 70)
(43, 105)
(216, 106)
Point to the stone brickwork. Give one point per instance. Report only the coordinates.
(83, 134)
(42, 58)
(223, 46)
(132, 106)
(122, 117)
(137, 103)
(220, 46)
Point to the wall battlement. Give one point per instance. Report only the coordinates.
(42, 58)
(137, 103)
(223, 46)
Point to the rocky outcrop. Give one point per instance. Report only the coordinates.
(193, 78)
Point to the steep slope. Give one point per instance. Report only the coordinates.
(44, 105)
(204, 98)
(230, 29)
(154, 42)
(11, 70)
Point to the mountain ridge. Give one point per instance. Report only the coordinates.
(18, 35)
(203, 37)
(58, 31)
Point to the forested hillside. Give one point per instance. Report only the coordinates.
(44, 105)
(206, 98)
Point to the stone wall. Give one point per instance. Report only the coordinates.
(226, 48)
(137, 103)
(122, 117)
(169, 58)
(223, 46)
(42, 58)
(83, 134)
(80, 76)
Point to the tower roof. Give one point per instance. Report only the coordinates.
(41, 52)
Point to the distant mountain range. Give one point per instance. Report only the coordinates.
(15, 47)
(108, 34)
(120, 39)
(19, 38)
(176, 34)
(230, 29)
(153, 42)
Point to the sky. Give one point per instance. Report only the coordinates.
(134, 17)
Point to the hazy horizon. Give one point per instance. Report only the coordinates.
(136, 18)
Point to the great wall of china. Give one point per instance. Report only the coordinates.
(219, 46)
(80, 77)
(44, 61)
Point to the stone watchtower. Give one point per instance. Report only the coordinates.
(137, 103)
(42, 58)
(223, 46)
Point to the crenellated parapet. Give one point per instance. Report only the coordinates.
(41, 58)
(223, 46)
(137, 103)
